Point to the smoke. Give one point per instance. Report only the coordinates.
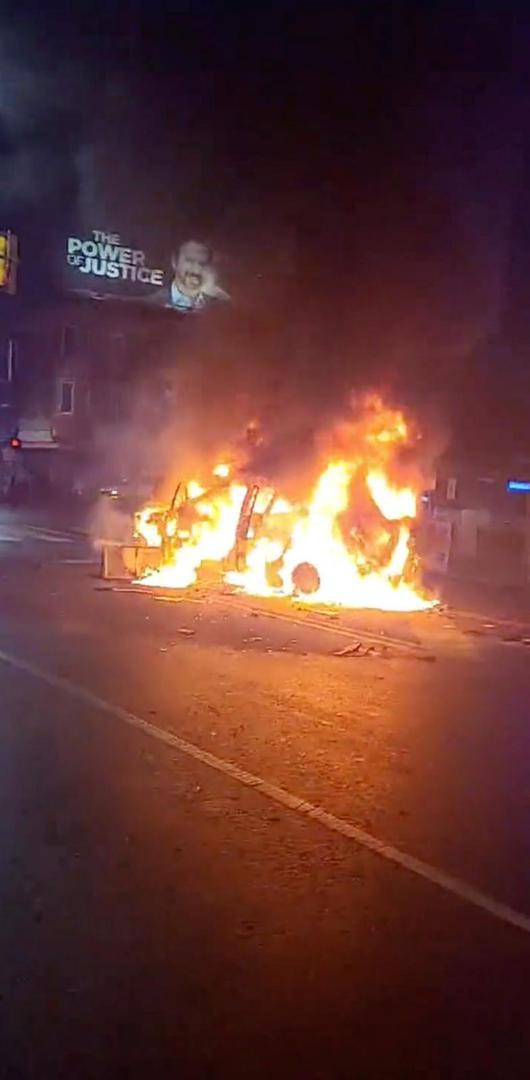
(46, 98)
(236, 398)
(108, 523)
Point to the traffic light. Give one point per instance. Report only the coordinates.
(15, 443)
(8, 261)
(4, 260)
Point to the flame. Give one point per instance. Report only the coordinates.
(146, 526)
(394, 503)
(267, 546)
(280, 506)
(211, 538)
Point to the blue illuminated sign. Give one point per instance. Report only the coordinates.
(518, 485)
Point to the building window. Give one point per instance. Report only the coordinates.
(66, 396)
(69, 342)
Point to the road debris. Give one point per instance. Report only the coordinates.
(136, 590)
(185, 631)
(350, 650)
(357, 649)
(169, 599)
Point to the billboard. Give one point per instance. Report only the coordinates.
(102, 264)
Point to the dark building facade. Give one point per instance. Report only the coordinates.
(74, 367)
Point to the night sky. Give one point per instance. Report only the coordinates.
(361, 168)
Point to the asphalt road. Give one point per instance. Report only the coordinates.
(227, 851)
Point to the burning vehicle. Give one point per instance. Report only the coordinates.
(348, 540)
(213, 527)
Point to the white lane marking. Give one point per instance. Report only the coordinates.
(76, 562)
(433, 874)
(45, 529)
(51, 539)
(10, 539)
(51, 536)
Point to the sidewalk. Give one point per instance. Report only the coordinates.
(482, 598)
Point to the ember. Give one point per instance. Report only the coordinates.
(349, 543)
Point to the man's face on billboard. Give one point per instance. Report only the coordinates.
(190, 268)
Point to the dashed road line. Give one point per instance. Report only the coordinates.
(50, 536)
(433, 874)
(76, 562)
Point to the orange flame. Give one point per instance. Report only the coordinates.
(222, 470)
(394, 503)
(305, 550)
